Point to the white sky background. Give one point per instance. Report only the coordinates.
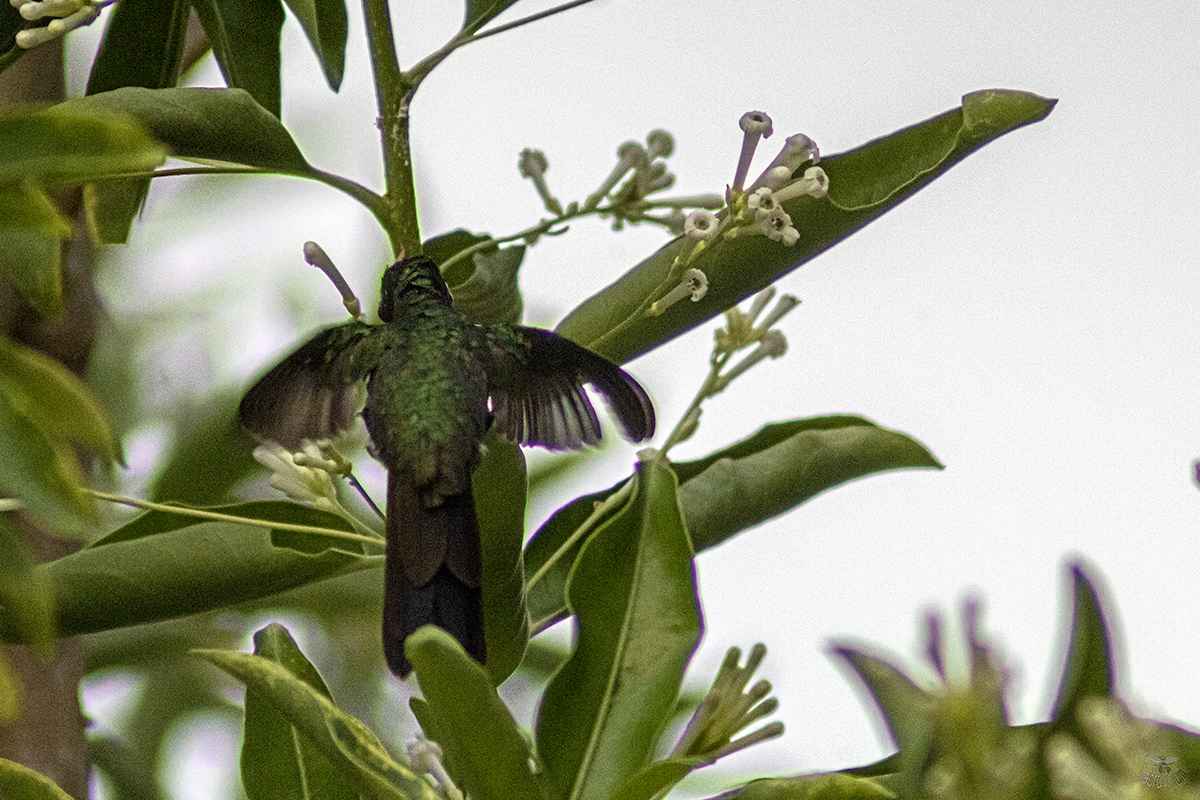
(1030, 317)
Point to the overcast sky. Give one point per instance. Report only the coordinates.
(1031, 317)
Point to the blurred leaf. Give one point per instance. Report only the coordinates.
(656, 778)
(763, 476)
(221, 126)
(782, 466)
(31, 235)
(286, 512)
(11, 692)
(17, 781)
(199, 568)
(245, 36)
(340, 737)
(11, 22)
(864, 184)
(26, 598)
(829, 786)
(128, 776)
(56, 399)
(633, 594)
(491, 293)
(142, 46)
(71, 144)
(499, 488)
(41, 472)
(472, 724)
(210, 455)
(276, 760)
(112, 205)
(481, 12)
(324, 22)
(1088, 671)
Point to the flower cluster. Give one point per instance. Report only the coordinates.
(66, 15)
(306, 476)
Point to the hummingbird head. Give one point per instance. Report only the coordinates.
(411, 281)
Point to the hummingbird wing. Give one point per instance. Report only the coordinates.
(536, 378)
(315, 392)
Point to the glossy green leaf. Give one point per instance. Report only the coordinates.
(56, 399)
(199, 568)
(142, 46)
(491, 293)
(481, 12)
(863, 184)
(324, 22)
(473, 726)
(223, 126)
(767, 474)
(25, 596)
(41, 472)
(340, 737)
(19, 781)
(70, 144)
(245, 36)
(499, 488)
(1088, 671)
(829, 786)
(31, 238)
(633, 594)
(277, 760)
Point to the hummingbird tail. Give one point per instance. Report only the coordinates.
(432, 572)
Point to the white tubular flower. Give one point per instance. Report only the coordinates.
(426, 756)
(701, 225)
(755, 125)
(763, 202)
(772, 345)
(533, 165)
(814, 183)
(290, 475)
(778, 227)
(783, 307)
(70, 14)
(694, 284)
(796, 150)
(629, 156)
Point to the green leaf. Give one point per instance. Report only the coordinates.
(1088, 671)
(26, 598)
(656, 778)
(31, 235)
(472, 724)
(210, 454)
(491, 293)
(776, 469)
(340, 737)
(499, 488)
(481, 12)
(907, 709)
(782, 466)
(633, 594)
(245, 36)
(217, 126)
(56, 399)
(18, 781)
(863, 184)
(142, 46)
(11, 22)
(277, 760)
(41, 472)
(829, 786)
(70, 144)
(324, 22)
(199, 568)
(287, 512)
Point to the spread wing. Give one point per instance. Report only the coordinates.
(536, 378)
(315, 392)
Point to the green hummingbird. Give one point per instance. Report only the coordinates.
(429, 374)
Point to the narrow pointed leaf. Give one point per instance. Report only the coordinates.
(656, 779)
(472, 724)
(481, 12)
(222, 126)
(906, 708)
(763, 476)
(245, 36)
(830, 786)
(633, 593)
(56, 399)
(1088, 671)
(72, 143)
(499, 486)
(340, 737)
(863, 184)
(17, 780)
(324, 23)
(142, 46)
(26, 598)
(278, 760)
(32, 232)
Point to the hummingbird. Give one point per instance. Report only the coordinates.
(435, 383)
